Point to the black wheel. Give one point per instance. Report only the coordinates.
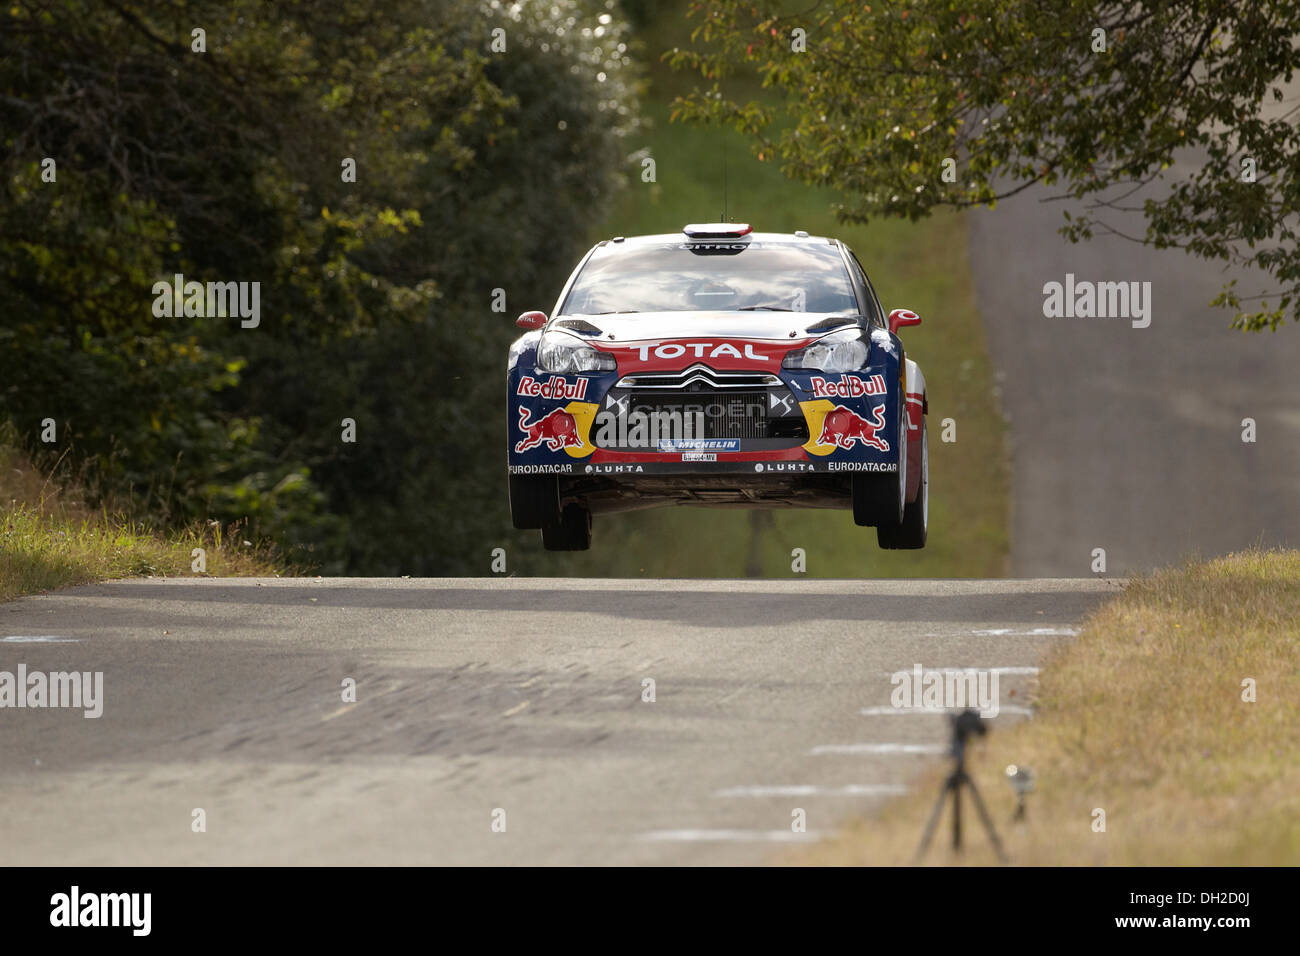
(571, 533)
(534, 501)
(878, 498)
(911, 533)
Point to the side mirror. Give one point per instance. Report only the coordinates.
(535, 320)
(901, 317)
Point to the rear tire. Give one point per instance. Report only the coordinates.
(911, 533)
(534, 501)
(571, 533)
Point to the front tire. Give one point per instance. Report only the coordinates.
(879, 498)
(571, 533)
(911, 532)
(534, 501)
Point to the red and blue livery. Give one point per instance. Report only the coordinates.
(716, 367)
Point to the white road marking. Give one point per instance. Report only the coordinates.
(1061, 631)
(39, 639)
(968, 670)
(878, 749)
(886, 711)
(336, 713)
(730, 836)
(812, 790)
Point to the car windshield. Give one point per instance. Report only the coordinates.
(723, 275)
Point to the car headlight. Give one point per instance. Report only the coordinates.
(843, 351)
(566, 355)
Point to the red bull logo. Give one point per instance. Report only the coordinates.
(844, 428)
(554, 387)
(556, 428)
(848, 386)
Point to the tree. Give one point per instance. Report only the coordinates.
(212, 138)
(1004, 95)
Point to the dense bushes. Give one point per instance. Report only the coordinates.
(476, 170)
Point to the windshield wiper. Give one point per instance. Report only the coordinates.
(764, 308)
(614, 312)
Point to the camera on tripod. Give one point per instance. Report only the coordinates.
(964, 725)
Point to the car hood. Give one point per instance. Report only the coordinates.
(647, 326)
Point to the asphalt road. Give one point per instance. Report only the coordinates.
(474, 695)
(1130, 439)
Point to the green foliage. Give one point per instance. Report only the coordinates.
(50, 539)
(476, 170)
(1024, 92)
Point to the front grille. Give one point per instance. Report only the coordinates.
(724, 414)
(699, 378)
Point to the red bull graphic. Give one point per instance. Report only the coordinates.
(844, 428)
(554, 387)
(848, 386)
(557, 429)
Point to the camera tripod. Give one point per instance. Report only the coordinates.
(963, 725)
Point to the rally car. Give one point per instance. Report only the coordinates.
(718, 367)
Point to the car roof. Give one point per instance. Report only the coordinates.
(676, 237)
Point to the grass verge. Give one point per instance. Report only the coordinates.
(50, 539)
(1143, 716)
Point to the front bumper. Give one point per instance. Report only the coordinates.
(810, 423)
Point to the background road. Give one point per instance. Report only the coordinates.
(472, 694)
(1130, 439)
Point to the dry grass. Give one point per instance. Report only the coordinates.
(50, 539)
(1143, 717)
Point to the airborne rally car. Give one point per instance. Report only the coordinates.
(716, 367)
